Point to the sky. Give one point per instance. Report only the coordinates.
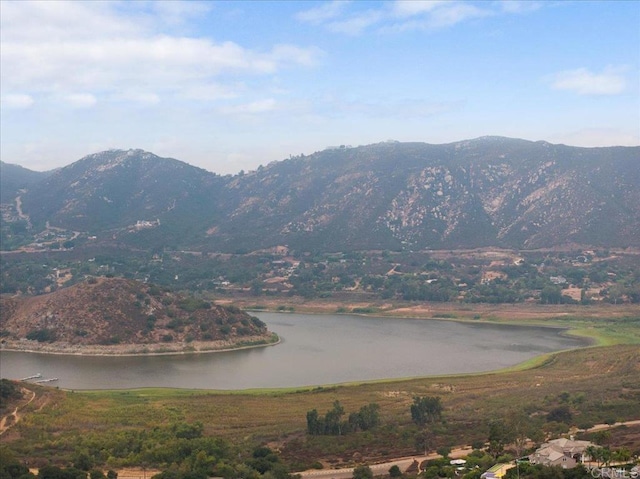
(232, 85)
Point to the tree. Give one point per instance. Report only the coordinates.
(362, 472)
(365, 419)
(9, 390)
(189, 431)
(330, 424)
(256, 287)
(332, 419)
(595, 454)
(551, 295)
(426, 410)
(499, 435)
(11, 468)
(444, 451)
(560, 414)
(315, 424)
(394, 471)
(621, 455)
(423, 441)
(83, 461)
(521, 427)
(601, 437)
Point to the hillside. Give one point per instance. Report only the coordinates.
(113, 191)
(15, 177)
(113, 313)
(491, 191)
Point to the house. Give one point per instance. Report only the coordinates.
(563, 452)
(497, 471)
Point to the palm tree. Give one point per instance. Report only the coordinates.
(594, 453)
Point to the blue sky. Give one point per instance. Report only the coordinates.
(232, 85)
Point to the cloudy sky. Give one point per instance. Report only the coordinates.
(231, 85)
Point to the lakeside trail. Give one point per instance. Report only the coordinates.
(405, 463)
(13, 417)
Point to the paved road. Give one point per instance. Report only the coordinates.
(380, 469)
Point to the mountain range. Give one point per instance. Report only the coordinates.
(490, 191)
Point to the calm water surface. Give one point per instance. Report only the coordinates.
(315, 349)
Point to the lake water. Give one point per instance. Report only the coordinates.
(315, 350)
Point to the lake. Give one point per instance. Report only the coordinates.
(315, 350)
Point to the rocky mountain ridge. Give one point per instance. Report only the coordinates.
(491, 191)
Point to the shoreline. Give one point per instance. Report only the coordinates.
(545, 317)
(128, 349)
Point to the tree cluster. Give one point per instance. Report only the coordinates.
(426, 409)
(331, 424)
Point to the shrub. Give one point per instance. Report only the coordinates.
(42, 335)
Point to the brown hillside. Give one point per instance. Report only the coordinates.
(114, 311)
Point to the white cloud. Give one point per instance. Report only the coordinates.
(140, 97)
(81, 100)
(356, 24)
(61, 48)
(610, 81)
(51, 22)
(212, 92)
(407, 8)
(177, 12)
(520, 6)
(284, 54)
(324, 12)
(17, 101)
(405, 15)
(252, 108)
(331, 15)
(453, 13)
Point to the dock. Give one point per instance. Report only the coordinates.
(46, 380)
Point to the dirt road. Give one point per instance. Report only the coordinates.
(12, 418)
(382, 469)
